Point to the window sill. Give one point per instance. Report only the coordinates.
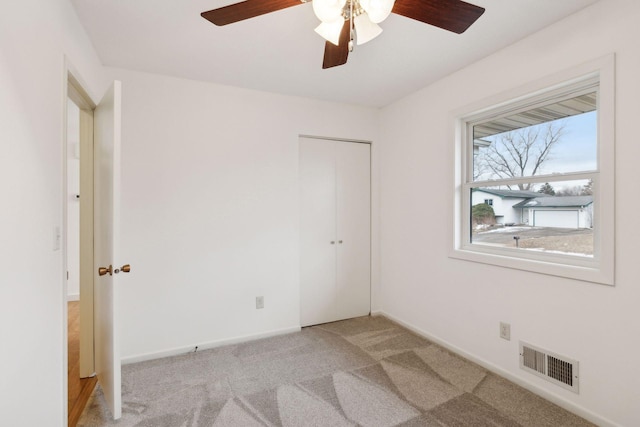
(594, 273)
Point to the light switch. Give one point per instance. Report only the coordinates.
(57, 238)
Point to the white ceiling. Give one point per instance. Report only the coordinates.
(280, 52)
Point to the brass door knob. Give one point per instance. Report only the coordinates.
(125, 269)
(103, 270)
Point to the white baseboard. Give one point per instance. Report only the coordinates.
(558, 400)
(204, 346)
(73, 297)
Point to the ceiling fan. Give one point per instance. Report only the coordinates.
(343, 21)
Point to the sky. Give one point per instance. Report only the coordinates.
(576, 151)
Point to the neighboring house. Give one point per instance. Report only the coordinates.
(478, 144)
(532, 208)
(503, 202)
(557, 211)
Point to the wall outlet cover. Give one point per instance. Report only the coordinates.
(505, 331)
(259, 302)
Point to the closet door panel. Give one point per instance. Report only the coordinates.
(317, 231)
(353, 217)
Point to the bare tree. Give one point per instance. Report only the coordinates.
(520, 152)
(587, 189)
(576, 190)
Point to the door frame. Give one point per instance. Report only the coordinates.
(74, 89)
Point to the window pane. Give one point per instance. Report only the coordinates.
(555, 138)
(555, 217)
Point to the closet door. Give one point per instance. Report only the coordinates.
(334, 230)
(353, 230)
(317, 231)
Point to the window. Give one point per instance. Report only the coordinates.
(543, 162)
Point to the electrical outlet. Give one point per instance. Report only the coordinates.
(505, 331)
(259, 302)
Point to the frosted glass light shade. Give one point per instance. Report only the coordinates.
(330, 31)
(365, 29)
(378, 10)
(328, 10)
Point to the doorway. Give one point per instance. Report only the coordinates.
(79, 255)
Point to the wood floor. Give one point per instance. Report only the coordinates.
(80, 389)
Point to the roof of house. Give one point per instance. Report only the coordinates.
(555, 202)
(509, 193)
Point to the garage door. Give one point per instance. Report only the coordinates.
(562, 219)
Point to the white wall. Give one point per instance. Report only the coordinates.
(210, 208)
(34, 37)
(210, 213)
(461, 302)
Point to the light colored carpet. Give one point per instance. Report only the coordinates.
(367, 371)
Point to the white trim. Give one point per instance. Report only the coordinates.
(332, 138)
(545, 394)
(599, 269)
(66, 71)
(73, 297)
(208, 345)
(79, 84)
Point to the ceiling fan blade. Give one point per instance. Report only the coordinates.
(452, 15)
(245, 10)
(337, 55)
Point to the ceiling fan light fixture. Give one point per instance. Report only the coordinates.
(330, 31)
(328, 10)
(365, 29)
(378, 10)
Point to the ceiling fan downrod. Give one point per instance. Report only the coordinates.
(351, 27)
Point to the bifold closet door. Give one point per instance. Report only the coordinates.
(353, 230)
(334, 230)
(317, 231)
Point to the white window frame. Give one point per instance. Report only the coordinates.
(600, 267)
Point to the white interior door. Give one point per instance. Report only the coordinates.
(353, 230)
(317, 231)
(107, 117)
(335, 227)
